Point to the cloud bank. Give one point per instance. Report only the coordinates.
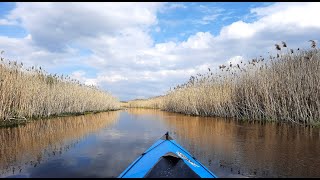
(111, 44)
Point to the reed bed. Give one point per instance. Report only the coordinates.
(33, 93)
(284, 88)
(151, 103)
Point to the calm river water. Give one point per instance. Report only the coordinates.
(104, 144)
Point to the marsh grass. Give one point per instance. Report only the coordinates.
(151, 103)
(32, 93)
(282, 88)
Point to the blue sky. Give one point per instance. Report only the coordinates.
(140, 50)
(179, 23)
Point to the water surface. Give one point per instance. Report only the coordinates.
(104, 144)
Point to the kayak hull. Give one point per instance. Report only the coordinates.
(166, 158)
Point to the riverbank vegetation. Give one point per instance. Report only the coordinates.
(151, 103)
(28, 93)
(283, 88)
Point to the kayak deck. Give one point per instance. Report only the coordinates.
(167, 159)
(170, 166)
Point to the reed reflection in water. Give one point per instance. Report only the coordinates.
(227, 146)
(262, 150)
(104, 144)
(31, 144)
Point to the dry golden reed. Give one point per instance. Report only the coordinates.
(285, 88)
(34, 93)
(152, 103)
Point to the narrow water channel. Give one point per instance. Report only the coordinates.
(104, 144)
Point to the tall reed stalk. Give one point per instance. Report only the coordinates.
(152, 103)
(284, 88)
(33, 93)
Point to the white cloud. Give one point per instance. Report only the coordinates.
(125, 57)
(201, 40)
(80, 75)
(238, 30)
(112, 78)
(7, 22)
(210, 17)
(175, 6)
(158, 29)
(236, 60)
(301, 15)
(53, 25)
(278, 18)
